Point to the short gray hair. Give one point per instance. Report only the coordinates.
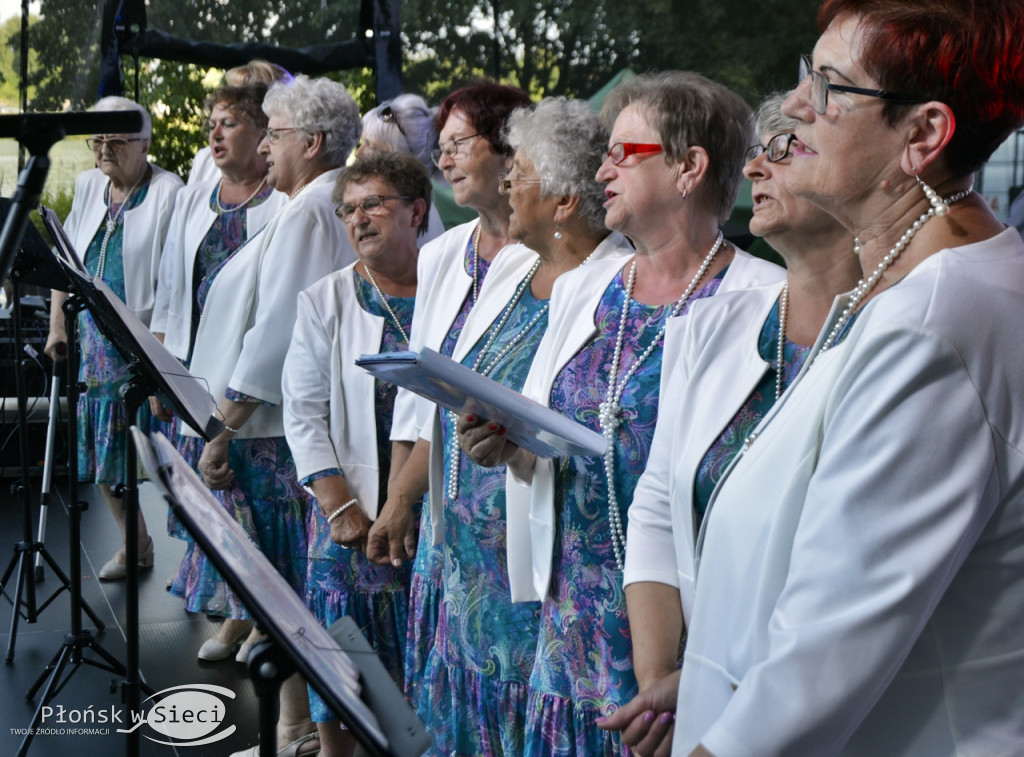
(411, 131)
(686, 109)
(112, 102)
(769, 119)
(318, 105)
(566, 142)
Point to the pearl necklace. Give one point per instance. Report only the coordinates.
(495, 331)
(783, 309)
(476, 259)
(113, 218)
(384, 302)
(610, 410)
(864, 286)
(221, 210)
(295, 192)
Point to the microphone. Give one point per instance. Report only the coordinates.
(24, 126)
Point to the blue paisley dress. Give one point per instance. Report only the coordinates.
(474, 692)
(341, 581)
(425, 584)
(102, 371)
(265, 498)
(584, 668)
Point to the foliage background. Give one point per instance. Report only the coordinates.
(564, 47)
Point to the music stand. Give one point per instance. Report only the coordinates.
(153, 369)
(339, 664)
(33, 264)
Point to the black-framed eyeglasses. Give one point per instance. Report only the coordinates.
(451, 149)
(114, 143)
(387, 114)
(622, 150)
(371, 205)
(273, 134)
(776, 149)
(820, 87)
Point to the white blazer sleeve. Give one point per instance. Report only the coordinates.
(301, 252)
(895, 503)
(307, 393)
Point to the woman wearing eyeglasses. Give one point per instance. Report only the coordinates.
(859, 578)
(405, 125)
(451, 273)
(117, 223)
(338, 418)
(737, 355)
(474, 689)
(670, 175)
(243, 335)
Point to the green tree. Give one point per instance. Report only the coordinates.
(67, 38)
(573, 48)
(10, 60)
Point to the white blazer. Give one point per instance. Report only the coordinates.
(503, 278)
(442, 286)
(714, 367)
(328, 400)
(860, 571)
(249, 316)
(574, 301)
(190, 223)
(145, 228)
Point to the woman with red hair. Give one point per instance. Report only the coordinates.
(860, 570)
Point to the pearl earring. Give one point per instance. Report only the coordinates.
(558, 231)
(940, 206)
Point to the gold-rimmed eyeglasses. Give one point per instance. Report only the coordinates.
(273, 134)
(510, 179)
(371, 205)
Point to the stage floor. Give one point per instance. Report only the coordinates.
(168, 640)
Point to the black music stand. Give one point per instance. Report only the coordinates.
(33, 264)
(152, 370)
(339, 663)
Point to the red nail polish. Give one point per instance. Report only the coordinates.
(493, 427)
(470, 418)
(501, 431)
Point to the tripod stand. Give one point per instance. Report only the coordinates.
(79, 639)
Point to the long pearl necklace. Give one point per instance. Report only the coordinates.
(495, 331)
(476, 260)
(221, 210)
(610, 410)
(864, 286)
(783, 308)
(113, 218)
(384, 302)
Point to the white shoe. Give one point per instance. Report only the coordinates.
(291, 750)
(213, 650)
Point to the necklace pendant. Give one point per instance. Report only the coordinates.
(608, 415)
